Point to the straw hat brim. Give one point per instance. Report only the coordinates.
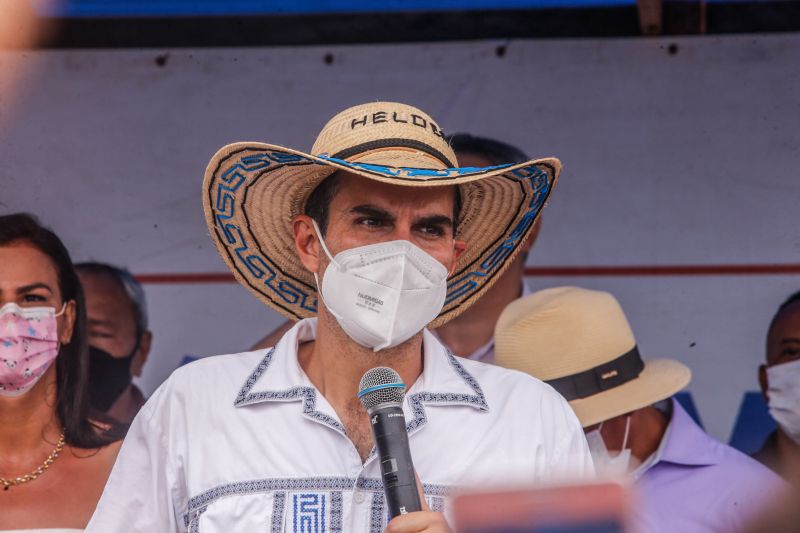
(252, 191)
(660, 379)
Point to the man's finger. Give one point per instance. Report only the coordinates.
(416, 522)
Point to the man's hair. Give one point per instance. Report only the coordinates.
(497, 152)
(786, 303)
(125, 280)
(318, 203)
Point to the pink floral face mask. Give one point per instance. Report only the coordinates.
(28, 346)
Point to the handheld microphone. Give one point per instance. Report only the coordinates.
(381, 392)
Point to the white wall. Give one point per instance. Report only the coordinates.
(689, 158)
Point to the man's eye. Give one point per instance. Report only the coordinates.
(435, 231)
(371, 222)
(32, 298)
(790, 353)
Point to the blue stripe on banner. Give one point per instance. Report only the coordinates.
(159, 8)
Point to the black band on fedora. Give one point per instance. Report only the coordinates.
(600, 378)
(392, 143)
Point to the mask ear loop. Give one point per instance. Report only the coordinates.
(316, 278)
(627, 430)
(322, 242)
(63, 308)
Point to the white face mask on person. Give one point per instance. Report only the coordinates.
(606, 466)
(784, 397)
(382, 294)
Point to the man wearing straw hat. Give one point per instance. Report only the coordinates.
(366, 240)
(585, 349)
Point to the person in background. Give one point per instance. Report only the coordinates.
(780, 383)
(471, 334)
(119, 341)
(580, 342)
(55, 457)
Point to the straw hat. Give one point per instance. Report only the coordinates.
(580, 342)
(252, 191)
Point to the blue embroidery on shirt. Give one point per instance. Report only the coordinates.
(278, 508)
(309, 513)
(336, 512)
(377, 513)
(193, 521)
(437, 504)
(307, 394)
(197, 505)
(416, 400)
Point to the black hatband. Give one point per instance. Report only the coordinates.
(600, 378)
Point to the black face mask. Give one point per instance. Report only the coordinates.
(108, 377)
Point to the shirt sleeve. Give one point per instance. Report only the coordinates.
(571, 460)
(142, 489)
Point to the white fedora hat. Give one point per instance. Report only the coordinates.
(580, 342)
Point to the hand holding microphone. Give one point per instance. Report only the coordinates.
(381, 392)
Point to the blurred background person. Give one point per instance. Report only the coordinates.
(780, 383)
(119, 341)
(55, 457)
(471, 334)
(580, 342)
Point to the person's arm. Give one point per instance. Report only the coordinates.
(571, 460)
(272, 338)
(142, 487)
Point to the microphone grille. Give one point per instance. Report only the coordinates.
(380, 385)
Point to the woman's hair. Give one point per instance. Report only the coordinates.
(72, 367)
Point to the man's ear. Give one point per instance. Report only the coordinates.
(142, 353)
(763, 381)
(306, 242)
(459, 247)
(528, 243)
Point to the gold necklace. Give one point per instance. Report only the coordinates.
(13, 482)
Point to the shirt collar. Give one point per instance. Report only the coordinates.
(685, 443)
(278, 378)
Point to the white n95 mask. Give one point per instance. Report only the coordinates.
(382, 294)
(784, 397)
(608, 467)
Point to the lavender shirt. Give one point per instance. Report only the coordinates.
(698, 485)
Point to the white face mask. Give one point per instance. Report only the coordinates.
(784, 397)
(605, 465)
(382, 294)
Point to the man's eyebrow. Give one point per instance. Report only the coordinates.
(99, 322)
(372, 211)
(790, 340)
(33, 287)
(434, 220)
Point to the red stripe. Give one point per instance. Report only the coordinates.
(542, 272)
(665, 270)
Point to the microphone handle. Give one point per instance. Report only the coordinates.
(394, 454)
